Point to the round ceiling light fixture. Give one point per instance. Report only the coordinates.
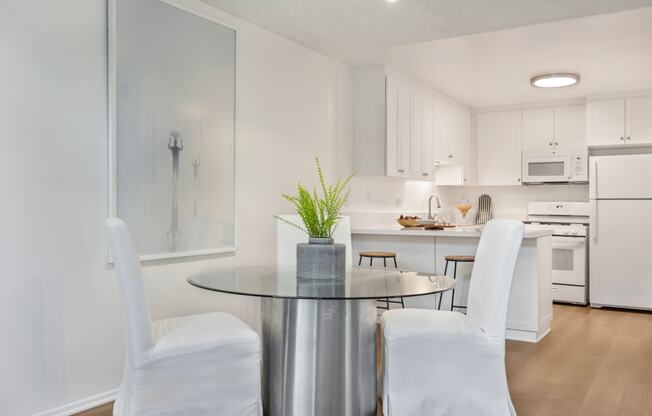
(556, 80)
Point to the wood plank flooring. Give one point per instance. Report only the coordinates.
(595, 362)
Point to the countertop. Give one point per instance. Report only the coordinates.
(460, 231)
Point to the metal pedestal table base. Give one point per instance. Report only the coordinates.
(319, 357)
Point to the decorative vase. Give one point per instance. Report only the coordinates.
(320, 258)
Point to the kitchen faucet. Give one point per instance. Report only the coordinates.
(434, 216)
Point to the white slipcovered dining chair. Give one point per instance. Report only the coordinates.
(207, 364)
(288, 236)
(448, 363)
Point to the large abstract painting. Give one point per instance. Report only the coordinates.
(172, 141)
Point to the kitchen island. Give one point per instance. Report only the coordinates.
(530, 304)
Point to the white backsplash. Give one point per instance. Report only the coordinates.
(389, 195)
(378, 201)
(512, 201)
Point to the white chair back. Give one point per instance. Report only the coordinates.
(493, 272)
(136, 315)
(288, 236)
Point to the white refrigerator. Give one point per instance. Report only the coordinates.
(620, 233)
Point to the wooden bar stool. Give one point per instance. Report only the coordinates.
(371, 255)
(455, 260)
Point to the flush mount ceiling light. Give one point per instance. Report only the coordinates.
(555, 80)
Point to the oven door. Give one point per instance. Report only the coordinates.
(569, 260)
(538, 169)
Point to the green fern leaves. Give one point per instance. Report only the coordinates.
(320, 215)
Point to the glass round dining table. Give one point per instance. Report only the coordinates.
(319, 336)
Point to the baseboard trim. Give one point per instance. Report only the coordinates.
(81, 405)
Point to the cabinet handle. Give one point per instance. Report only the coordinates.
(629, 138)
(518, 180)
(450, 156)
(556, 144)
(424, 174)
(401, 170)
(550, 143)
(622, 139)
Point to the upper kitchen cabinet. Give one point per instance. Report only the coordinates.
(605, 122)
(452, 151)
(570, 126)
(545, 130)
(384, 124)
(399, 129)
(423, 116)
(397, 125)
(499, 148)
(621, 121)
(538, 129)
(452, 133)
(638, 120)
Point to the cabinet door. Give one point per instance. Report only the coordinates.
(620, 260)
(538, 131)
(392, 147)
(499, 148)
(638, 120)
(445, 135)
(570, 126)
(415, 133)
(404, 121)
(399, 127)
(427, 133)
(460, 147)
(605, 122)
(452, 132)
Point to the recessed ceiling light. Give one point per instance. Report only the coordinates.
(391, 1)
(555, 80)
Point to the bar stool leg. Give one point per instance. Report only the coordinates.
(441, 295)
(360, 261)
(454, 278)
(371, 261)
(385, 262)
(396, 267)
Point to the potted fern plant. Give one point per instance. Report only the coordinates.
(320, 257)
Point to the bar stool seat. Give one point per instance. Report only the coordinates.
(371, 255)
(377, 254)
(461, 259)
(455, 259)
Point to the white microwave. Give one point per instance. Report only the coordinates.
(564, 166)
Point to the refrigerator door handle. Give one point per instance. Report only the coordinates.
(594, 181)
(593, 221)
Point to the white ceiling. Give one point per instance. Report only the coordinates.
(345, 28)
(612, 52)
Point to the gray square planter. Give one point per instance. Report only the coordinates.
(320, 258)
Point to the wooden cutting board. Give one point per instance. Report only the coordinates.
(438, 226)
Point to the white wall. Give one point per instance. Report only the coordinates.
(59, 315)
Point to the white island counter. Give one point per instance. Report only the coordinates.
(530, 304)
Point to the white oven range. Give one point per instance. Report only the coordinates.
(568, 222)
